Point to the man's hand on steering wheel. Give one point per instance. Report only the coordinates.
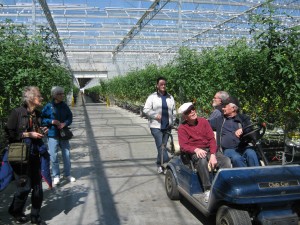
(239, 132)
(253, 132)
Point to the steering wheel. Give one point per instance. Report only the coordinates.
(256, 132)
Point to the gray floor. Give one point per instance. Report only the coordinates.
(113, 159)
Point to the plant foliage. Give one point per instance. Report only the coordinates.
(264, 74)
(28, 59)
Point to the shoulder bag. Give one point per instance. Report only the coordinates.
(17, 152)
(65, 133)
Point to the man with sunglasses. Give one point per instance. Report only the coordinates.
(196, 138)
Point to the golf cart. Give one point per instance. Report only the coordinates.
(265, 195)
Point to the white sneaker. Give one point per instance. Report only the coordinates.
(56, 181)
(70, 179)
(160, 169)
(206, 195)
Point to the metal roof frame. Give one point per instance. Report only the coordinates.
(120, 31)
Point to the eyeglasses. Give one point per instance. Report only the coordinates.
(216, 98)
(189, 110)
(39, 97)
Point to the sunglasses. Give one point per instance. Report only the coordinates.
(189, 110)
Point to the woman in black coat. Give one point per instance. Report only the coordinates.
(24, 125)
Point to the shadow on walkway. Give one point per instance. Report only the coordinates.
(113, 159)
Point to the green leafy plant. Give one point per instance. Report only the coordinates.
(264, 74)
(27, 59)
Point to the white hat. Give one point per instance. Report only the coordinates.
(184, 107)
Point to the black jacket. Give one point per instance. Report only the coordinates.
(18, 123)
(217, 124)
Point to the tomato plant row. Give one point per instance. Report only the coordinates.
(28, 59)
(263, 74)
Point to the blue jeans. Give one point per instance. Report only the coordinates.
(161, 138)
(242, 158)
(53, 144)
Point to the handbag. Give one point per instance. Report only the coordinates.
(17, 152)
(65, 133)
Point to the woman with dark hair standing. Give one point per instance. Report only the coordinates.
(24, 124)
(161, 112)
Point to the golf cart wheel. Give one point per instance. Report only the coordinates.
(171, 186)
(230, 216)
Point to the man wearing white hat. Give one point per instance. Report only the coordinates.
(196, 137)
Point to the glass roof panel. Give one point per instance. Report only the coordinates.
(122, 29)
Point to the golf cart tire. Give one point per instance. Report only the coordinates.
(171, 186)
(230, 216)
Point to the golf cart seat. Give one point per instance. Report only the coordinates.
(186, 159)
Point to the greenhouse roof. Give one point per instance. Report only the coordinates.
(143, 31)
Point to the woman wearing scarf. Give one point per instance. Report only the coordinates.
(24, 125)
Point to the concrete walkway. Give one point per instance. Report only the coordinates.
(113, 159)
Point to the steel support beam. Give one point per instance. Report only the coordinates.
(148, 15)
(50, 20)
(218, 25)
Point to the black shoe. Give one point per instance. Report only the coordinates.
(19, 218)
(37, 220)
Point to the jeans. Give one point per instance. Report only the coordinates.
(53, 144)
(242, 158)
(161, 139)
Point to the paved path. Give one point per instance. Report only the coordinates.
(113, 159)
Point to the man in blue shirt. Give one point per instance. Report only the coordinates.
(229, 128)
